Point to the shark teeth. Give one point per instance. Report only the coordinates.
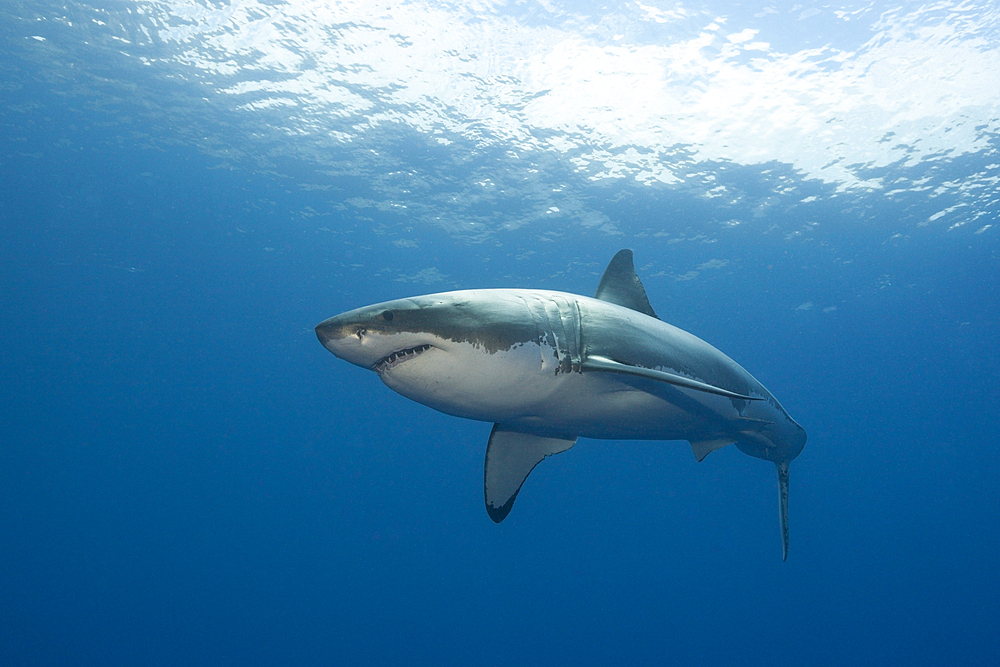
(398, 357)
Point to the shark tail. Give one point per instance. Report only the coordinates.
(783, 506)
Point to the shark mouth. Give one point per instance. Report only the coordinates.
(398, 357)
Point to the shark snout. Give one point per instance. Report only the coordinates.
(340, 336)
(353, 339)
(329, 331)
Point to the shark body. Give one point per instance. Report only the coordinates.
(547, 367)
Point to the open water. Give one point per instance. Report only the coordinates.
(188, 187)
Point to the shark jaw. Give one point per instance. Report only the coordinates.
(399, 357)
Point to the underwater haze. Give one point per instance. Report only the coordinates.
(187, 187)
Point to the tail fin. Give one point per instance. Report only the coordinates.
(783, 506)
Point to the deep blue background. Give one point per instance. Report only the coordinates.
(188, 477)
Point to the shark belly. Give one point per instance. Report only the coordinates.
(602, 406)
(522, 389)
(499, 387)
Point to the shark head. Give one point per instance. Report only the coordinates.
(381, 337)
(453, 351)
(388, 335)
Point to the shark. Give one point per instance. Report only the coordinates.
(548, 367)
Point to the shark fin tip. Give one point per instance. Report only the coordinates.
(498, 514)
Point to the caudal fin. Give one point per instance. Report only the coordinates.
(783, 506)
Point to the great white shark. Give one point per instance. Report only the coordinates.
(549, 367)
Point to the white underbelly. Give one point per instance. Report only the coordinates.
(521, 389)
(602, 405)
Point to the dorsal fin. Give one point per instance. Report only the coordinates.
(622, 286)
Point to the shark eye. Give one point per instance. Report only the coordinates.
(387, 315)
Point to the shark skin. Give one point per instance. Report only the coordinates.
(548, 367)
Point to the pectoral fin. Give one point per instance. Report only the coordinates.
(597, 363)
(510, 456)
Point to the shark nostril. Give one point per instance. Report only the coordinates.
(361, 333)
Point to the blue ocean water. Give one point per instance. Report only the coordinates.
(187, 188)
